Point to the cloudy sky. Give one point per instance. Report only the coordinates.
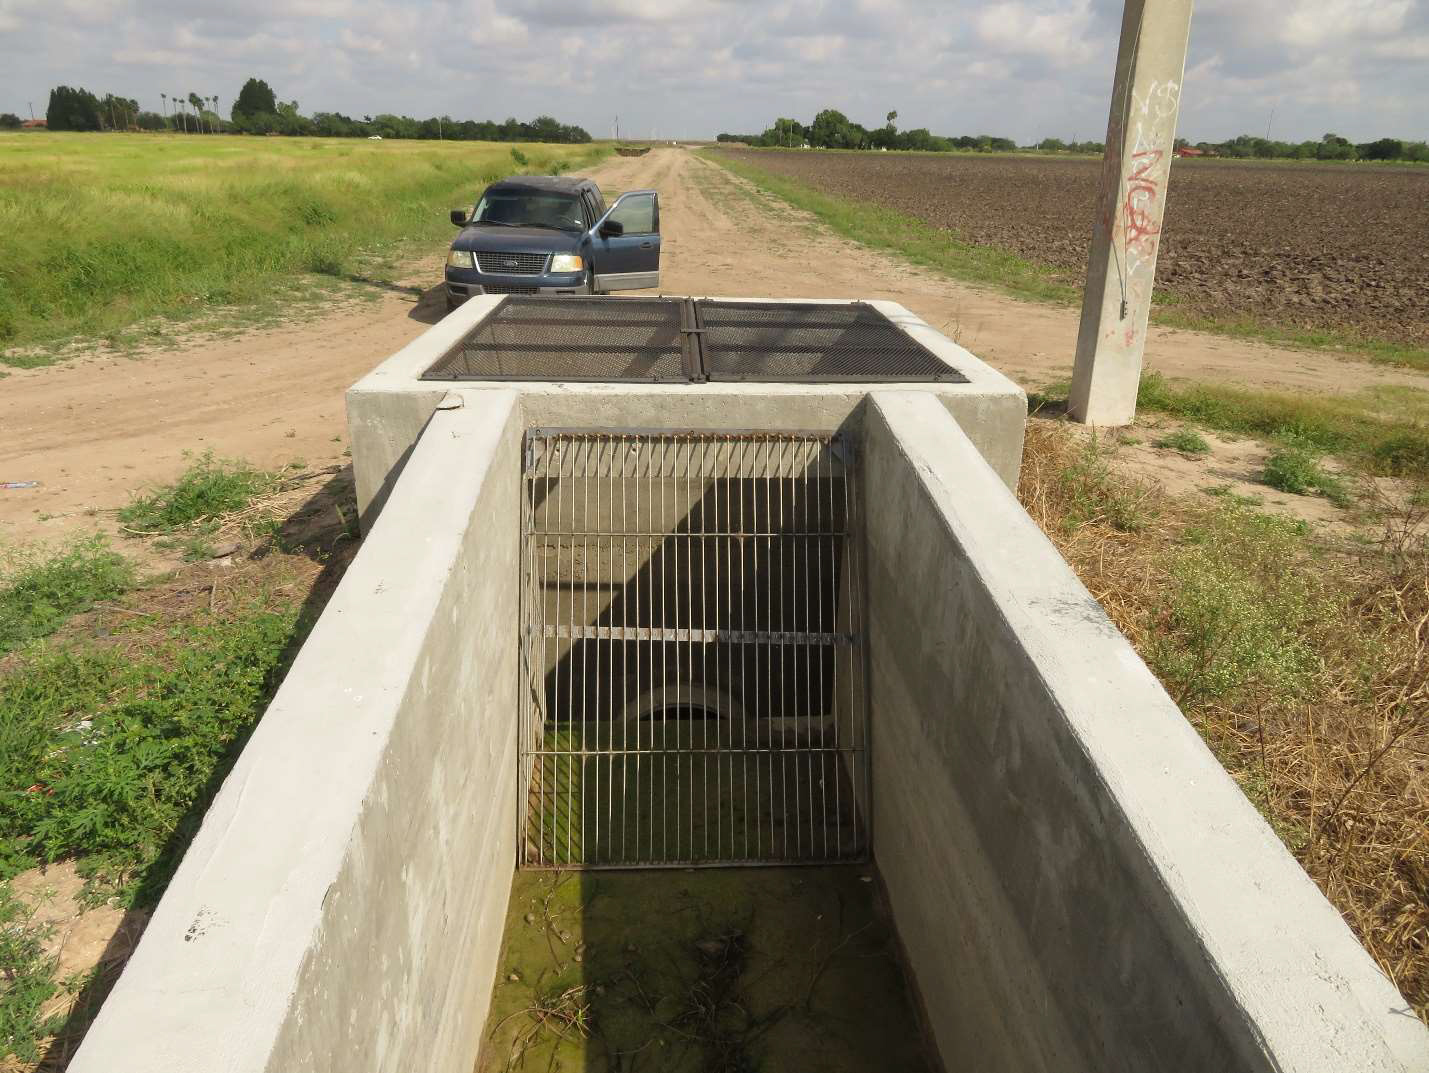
(1023, 68)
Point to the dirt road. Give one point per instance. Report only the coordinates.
(93, 430)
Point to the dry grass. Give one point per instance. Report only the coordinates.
(1303, 666)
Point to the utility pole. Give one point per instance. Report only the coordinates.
(32, 110)
(1131, 198)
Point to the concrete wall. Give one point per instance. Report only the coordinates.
(341, 908)
(1078, 882)
(388, 408)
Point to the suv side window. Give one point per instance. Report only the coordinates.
(638, 214)
(590, 214)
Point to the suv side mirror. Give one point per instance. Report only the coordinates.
(612, 228)
(459, 217)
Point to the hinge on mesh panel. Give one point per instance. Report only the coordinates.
(692, 343)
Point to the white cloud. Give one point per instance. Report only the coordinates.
(1056, 33)
(1025, 68)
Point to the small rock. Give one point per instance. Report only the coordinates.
(865, 879)
(631, 948)
(530, 918)
(578, 958)
(565, 936)
(515, 977)
(222, 551)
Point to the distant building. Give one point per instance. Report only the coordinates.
(35, 124)
(1191, 151)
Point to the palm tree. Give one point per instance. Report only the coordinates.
(164, 106)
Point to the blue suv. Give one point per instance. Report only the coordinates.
(549, 234)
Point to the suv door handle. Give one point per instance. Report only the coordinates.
(647, 245)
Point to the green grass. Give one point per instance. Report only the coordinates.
(916, 241)
(110, 755)
(37, 594)
(1186, 440)
(1384, 430)
(1295, 468)
(1381, 431)
(910, 238)
(102, 233)
(1242, 608)
(210, 487)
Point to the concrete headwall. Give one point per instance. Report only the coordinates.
(388, 408)
(341, 908)
(1078, 883)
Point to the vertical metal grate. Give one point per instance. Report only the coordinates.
(694, 688)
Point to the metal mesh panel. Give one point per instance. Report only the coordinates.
(786, 341)
(693, 685)
(575, 338)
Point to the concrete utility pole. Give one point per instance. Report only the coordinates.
(1131, 198)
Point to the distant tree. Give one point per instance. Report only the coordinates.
(72, 109)
(9, 121)
(831, 129)
(1383, 149)
(1334, 147)
(150, 121)
(892, 119)
(1055, 145)
(254, 99)
(117, 113)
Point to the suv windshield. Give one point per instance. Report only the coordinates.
(530, 209)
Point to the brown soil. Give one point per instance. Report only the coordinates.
(95, 429)
(1298, 246)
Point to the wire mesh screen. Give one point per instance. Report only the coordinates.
(816, 342)
(693, 683)
(688, 340)
(574, 338)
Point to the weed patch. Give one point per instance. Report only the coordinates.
(110, 755)
(38, 594)
(1296, 469)
(1187, 440)
(27, 980)
(208, 489)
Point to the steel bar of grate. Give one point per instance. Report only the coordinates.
(691, 651)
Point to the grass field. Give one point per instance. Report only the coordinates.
(100, 234)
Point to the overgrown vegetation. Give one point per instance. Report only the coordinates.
(210, 487)
(1186, 440)
(193, 224)
(38, 593)
(105, 752)
(1303, 665)
(1295, 467)
(27, 981)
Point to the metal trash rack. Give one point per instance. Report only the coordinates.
(693, 688)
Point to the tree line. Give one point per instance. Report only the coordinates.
(257, 110)
(1331, 147)
(831, 129)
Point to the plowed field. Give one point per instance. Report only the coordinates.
(1295, 246)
